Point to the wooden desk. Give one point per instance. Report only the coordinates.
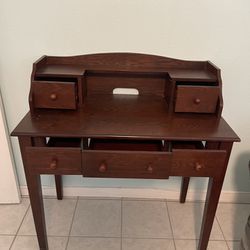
(76, 125)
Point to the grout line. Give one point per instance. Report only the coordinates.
(51, 235)
(67, 243)
(233, 241)
(187, 201)
(92, 236)
(197, 239)
(150, 238)
(166, 204)
(12, 242)
(55, 198)
(222, 231)
(235, 203)
(138, 238)
(29, 207)
(117, 237)
(125, 237)
(98, 198)
(126, 198)
(72, 222)
(147, 238)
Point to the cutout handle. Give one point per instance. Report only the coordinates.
(125, 91)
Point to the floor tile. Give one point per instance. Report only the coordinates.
(100, 218)
(186, 221)
(12, 216)
(233, 245)
(6, 241)
(147, 244)
(233, 219)
(78, 243)
(193, 245)
(58, 216)
(31, 243)
(145, 219)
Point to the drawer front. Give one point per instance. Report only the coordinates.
(47, 160)
(198, 99)
(58, 95)
(126, 164)
(201, 163)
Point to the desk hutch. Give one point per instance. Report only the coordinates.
(79, 125)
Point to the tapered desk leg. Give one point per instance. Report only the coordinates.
(213, 194)
(59, 190)
(212, 199)
(184, 189)
(35, 193)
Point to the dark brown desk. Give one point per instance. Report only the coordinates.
(76, 125)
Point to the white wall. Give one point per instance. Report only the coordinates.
(204, 30)
(9, 188)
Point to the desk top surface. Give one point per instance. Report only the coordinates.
(125, 116)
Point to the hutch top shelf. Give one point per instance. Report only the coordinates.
(177, 69)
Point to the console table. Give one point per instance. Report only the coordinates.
(169, 125)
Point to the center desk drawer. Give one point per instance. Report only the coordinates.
(203, 163)
(126, 164)
(56, 160)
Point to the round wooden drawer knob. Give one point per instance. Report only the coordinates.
(197, 100)
(150, 169)
(53, 164)
(198, 166)
(103, 168)
(53, 97)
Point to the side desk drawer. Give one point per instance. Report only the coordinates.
(201, 163)
(56, 160)
(126, 164)
(58, 95)
(197, 99)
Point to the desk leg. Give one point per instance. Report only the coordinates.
(212, 199)
(59, 191)
(35, 193)
(184, 189)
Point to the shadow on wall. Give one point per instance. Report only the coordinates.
(242, 173)
(240, 215)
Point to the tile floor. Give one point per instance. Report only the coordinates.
(115, 224)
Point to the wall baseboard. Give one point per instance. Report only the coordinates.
(141, 193)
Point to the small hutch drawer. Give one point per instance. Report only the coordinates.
(54, 160)
(197, 99)
(57, 95)
(202, 163)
